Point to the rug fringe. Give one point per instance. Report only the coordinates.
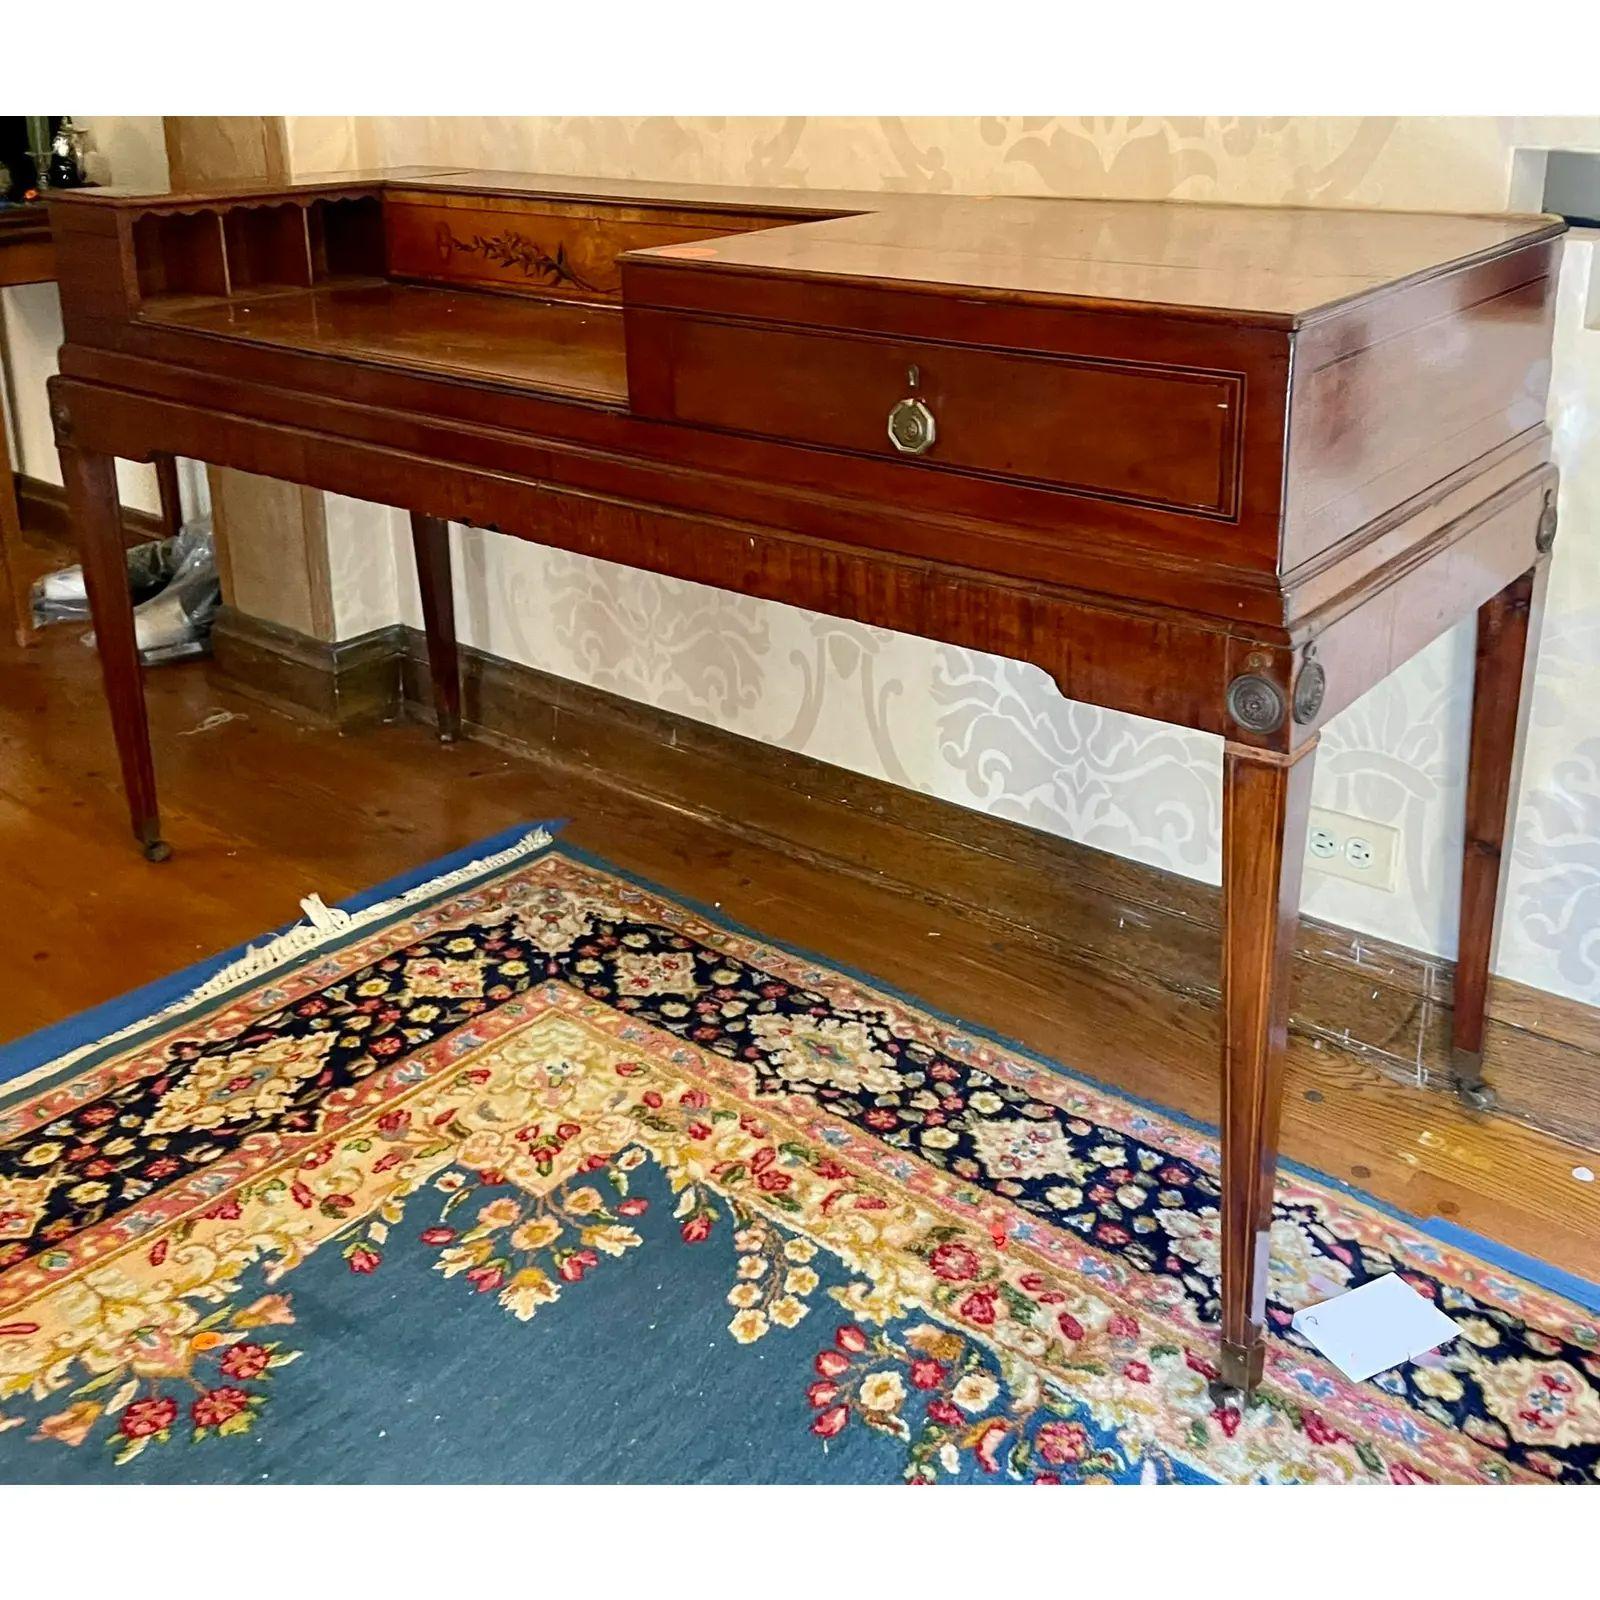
(323, 924)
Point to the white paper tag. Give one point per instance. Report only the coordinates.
(1375, 1327)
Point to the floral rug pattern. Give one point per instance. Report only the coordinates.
(1000, 1270)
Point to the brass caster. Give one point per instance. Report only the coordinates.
(1228, 1398)
(1242, 1368)
(157, 850)
(1466, 1071)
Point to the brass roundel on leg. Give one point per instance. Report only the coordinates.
(1310, 688)
(1256, 703)
(61, 420)
(1545, 535)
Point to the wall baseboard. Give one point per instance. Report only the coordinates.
(348, 684)
(1383, 1001)
(42, 508)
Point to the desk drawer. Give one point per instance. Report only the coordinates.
(1157, 435)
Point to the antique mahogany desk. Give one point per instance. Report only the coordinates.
(1221, 466)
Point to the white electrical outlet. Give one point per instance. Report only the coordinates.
(1354, 848)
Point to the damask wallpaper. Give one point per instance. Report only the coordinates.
(992, 733)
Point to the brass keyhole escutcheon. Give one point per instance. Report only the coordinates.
(912, 429)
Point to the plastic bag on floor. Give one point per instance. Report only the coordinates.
(61, 597)
(176, 623)
(175, 590)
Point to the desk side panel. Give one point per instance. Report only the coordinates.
(1395, 394)
(94, 269)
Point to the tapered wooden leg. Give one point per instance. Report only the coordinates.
(171, 496)
(1508, 644)
(97, 524)
(1265, 802)
(430, 536)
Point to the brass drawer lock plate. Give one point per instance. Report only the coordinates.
(912, 429)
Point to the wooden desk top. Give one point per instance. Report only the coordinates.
(557, 347)
(1256, 264)
(1277, 266)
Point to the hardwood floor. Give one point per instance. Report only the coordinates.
(262, 809)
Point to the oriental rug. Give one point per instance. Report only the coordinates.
(528, 1171)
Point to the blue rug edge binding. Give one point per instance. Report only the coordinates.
(24, 1054)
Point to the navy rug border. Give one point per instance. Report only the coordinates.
(1542, 1274)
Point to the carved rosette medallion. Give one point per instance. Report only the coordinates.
(1256, 703)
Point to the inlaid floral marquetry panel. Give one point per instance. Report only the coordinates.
(994, 734)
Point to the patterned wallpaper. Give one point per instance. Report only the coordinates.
(994, 734)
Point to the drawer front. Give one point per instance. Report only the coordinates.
(1158, 435)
